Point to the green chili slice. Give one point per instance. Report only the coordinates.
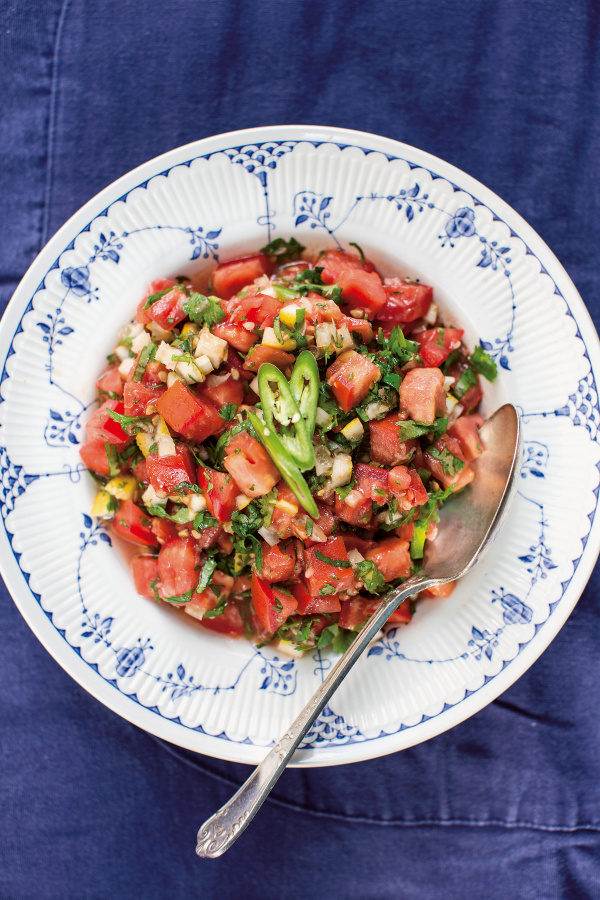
(279, 406)
(285, 463)
(304, 385)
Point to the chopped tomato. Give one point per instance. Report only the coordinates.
(282, 562)
(325, 522)
(334, 262)
(362, 290)
(232, 276)
(145, 576)
(131, 523)
(422, 394)
(357, 610)
(229, 622)
(220, 491)
(235, 335)
(209, 537)
(234, 362)
(209, 598)
(308, 604)
(286, 507)
(164, 529)
(141, 473)
(471, 399)
(261, 354)
(372, 482)
(328, 569)
(222, 389)
(110, 383)
(177, 562)
(272, 605)
(437, 344)
(405, 301)
(250, 465)
(392, 557)
(447, 471)
(258, 308)
(407, 487)
(159, 284)
(101, 426)
(406, 531)
(354, 542)
(351, 377)
(439, 590)
(167, 472)
(155, 373)
(355, 509)
(136, 397)
(465, 430)
(93, 455)
(168, 310)
(360, 326)
(386, 446)
(187, 414)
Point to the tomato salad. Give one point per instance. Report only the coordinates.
(278, 446)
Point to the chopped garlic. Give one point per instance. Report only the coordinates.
(254, 384)
(432, 314)
(196, 503)
(448, 382)
(341, 472)
(325, 335)
(355, 557)
(126, 367)
(269, 536)
(213, 347)
(375, 409)
(343, 340)
(166, 446)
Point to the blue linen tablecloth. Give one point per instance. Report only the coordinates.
(506, 804)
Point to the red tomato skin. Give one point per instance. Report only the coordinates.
(136, 397)
(168, 310)
(439, 590)
(372, 482)
(220, 392)
(351, 377)
(320, 573)
(460, 479)
(131, 523)
(437, 344)
(326, 522)
(392, 557)
(230, 277)
(261, 354)
(101, 426)
(235, 335)
(472, 398)
(465, 430)
(220, 492)
(250, 465)
(266, 599)
(307, 605)
(422, 394)
(406, 485)
(281, 521)
(355, 509)
(93, 455)
(362, 326)
(258, 308)
(167, 472)
(229, 622)
(354, 542)
(164, 529)
(187, 414)
(235, 361)
(177, 561)
(357, 610)
(282, 562)
(386, 446)
(362, 290)
(208, 537)
(159, 284)
(208, 599)
(145, 572)
(405, 301)
(110, 382)
(334, 262)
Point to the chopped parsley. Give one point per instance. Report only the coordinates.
(483, 363)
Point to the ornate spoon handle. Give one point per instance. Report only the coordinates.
(220, 831)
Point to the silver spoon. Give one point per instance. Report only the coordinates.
(467, 523)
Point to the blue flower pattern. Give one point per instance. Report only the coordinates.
(316, 211)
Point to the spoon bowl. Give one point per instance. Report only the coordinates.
(468, 524)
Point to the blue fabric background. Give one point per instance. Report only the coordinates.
(506, 805)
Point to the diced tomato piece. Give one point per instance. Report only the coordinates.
(101, 426)
(261, 354)
(155, 374)
(439, 590)
(209, 598)
(308, 604)
(111, 383)
(208, 537)
(167, 472)
(405, 301)
(351, 377)
(235, 362)
(250, 465)
(94, 457)
(406, 531)
(357, 610)
(159, 284)
(235, 335)
(392, 557)
(136, 397)
(334, 262)
(362, 290)
(386, 446)
(324, 578)
(325, 522)
(177, 561)
(220, 491)
(460, 478)
(320, 309)
(222, 389)
(373, 482)
(272, 605)
(360, 326)
(465, 430)
(471, 399)
(286, 508)
(140, 472)
(131, 523)
(164, 529)
(355, 509)
(422, 394)
(407, 487)
(354, 542)
(282, 562)
(402, 614)
(187, 414)
(168, 310)
(437, 344)
(232, 276)
(145, 575)
(258, 308)
(229, 622)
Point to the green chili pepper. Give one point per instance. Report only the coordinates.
(279, 405)
(304, 385)
(285, 294)
(286, 465)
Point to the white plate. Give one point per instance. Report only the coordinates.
(412, 214)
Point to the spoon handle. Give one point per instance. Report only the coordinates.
(223, 828)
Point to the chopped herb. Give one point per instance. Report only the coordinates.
(146, 354)
(451, 464)
(206, 575)
(203, 310)
(466, 380)
(370, 575)
(283, 250)
(483, 363)
(339, 563)
(218, 609)
(154, 297)
(362, 255)
(204, 520)
(326, 590)
(247, 521)
(339, 638)
(228, 411)
(266, 505)
(309, 527)
(154, 589)
(345, 489)
(180, 598)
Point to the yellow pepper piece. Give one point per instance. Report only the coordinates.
(190, 328)
(123, 487)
